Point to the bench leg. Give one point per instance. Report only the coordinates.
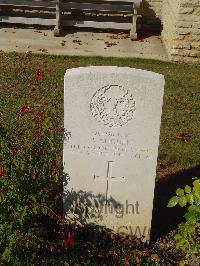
(58, 27)
(133, 31)
(133, 36)
(57, 32)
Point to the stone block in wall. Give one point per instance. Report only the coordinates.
(189, 3)
(196, 25)
(186, 10)
(185, 59)
(184, 24)
(195, 31)
(181, 45)
(197, 11)
(196, 46)
(185, 52)
(181, 29)
(194, 38)
(191, 17)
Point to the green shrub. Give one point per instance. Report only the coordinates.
(30, 182)
(32, 231)
(188, 236)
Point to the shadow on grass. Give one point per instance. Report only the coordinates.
(165, 219)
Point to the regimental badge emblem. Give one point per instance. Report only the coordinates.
(113, 106)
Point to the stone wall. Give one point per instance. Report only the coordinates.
(180, 20)
(181, 29)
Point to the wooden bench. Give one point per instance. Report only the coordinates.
(31, 12)
(101, 14)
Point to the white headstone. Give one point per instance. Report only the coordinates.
(112, 119)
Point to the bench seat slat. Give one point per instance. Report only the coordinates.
(98, 25)
(91, 17)
(98, 7)
(28, 21)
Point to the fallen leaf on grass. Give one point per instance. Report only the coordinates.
(185, 137)
(25, 108)
(134, 255)
(126, 262)
(145, 253)
(43, 50)
(155, 257)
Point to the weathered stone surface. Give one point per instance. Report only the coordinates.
(181, 24)
(112, 120)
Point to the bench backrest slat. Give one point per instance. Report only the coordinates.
(97, 7)
(27, 3)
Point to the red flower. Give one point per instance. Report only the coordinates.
(38, 74)
(12, 152)
(2, 172)
(69, 240)
(64, 243)
(25, 108)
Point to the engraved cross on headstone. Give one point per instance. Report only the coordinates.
(109, 178)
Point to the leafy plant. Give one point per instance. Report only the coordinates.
(30, 191)
(188, 236)
(32, 231)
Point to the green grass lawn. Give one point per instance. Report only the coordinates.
(32, 231)
(180, 130)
